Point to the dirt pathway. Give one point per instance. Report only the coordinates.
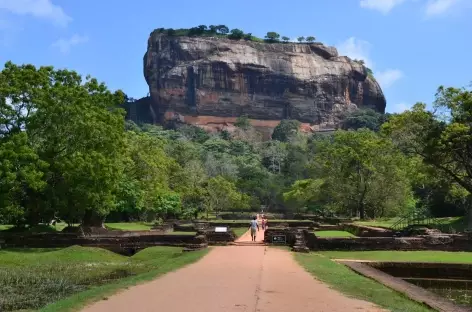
(246, 237)
(235, 279)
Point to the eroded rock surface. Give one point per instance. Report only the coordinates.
(209, 82)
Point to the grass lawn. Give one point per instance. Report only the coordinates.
(240, 231)
(124, 226)
(410, 256)
(333, 234)
(4, 227)
(386, 223)
(130, 226)
(449, 224)
(180, 233)
(352, 284)
(68, 278)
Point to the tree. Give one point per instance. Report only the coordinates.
(21, 177)
(146, 180)
(274, 156)
(285, 39)
(442, 138)
(359, 61)
(363, 173)
(222, 29)
(213, 29)
(304, 192)
(222, 195)
(236, 34)
(301, 39)
(248, 36)
(243, 122)
(310, 39)
(272, 36)
(363, 118)
(285, 129)
(74, 127)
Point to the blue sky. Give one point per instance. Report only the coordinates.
(413, 46)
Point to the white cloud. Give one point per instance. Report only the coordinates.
(399, 107)
(360, 49)
(356, 49)
(388, 77)
(384, 6)
(64, 45)
(37, 8)
(439, 7)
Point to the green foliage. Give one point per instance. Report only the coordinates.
(243, 122)
(73, 129)
(370, 73)
(67, 152)
(442, 138)
(310, 39)
(272, 36)
(224, 32)
(236, 34)
(286, 129)
(360, 173)
(364, 118)
(222, 195)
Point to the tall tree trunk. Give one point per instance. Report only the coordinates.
(92, 219)
(362, 204)
(469, 218)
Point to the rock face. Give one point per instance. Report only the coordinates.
(211, 81)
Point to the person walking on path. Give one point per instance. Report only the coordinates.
(254, 227)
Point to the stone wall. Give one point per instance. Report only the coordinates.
(117, 241)
(459, 271)
(184, 228)
(288, 232)
(277, 223)
(445, 243)
(366, 231)
(220, 238)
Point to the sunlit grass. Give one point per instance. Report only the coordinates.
(333, 234)
(32, 278)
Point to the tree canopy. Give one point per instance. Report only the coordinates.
(67, 152)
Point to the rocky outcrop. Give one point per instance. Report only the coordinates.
(211, 81)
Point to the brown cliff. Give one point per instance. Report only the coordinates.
(209, 82)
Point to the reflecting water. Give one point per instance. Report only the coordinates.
(459, 291)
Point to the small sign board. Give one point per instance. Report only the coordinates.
(221, 229)
(279, 239)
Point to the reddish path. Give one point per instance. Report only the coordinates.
(235, 279)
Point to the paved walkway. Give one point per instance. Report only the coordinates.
(235, 279)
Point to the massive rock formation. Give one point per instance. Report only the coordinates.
(211, 81)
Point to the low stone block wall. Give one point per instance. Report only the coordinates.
(118, 242)
(444, 243)
(459, 271)
(184, 228)
(164, 228)
(278, 223)
(274, 231)
(320, 219)
(220, 238)
(366, 231)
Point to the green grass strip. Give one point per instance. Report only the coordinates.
(352, 284)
